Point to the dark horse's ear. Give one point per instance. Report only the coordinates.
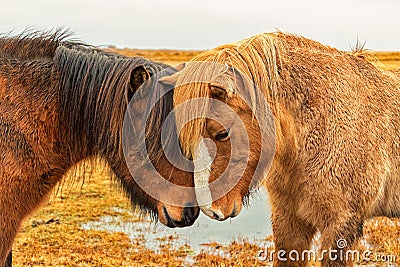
(138, 76)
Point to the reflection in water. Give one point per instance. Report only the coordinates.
(252, 224)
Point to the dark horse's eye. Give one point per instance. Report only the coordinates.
(222, 135)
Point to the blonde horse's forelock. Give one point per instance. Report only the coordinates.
(190, 120)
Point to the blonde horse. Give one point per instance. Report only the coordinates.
(336, 137)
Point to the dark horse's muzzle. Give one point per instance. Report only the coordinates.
(173, 216)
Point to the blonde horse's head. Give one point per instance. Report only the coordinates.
(225, 124)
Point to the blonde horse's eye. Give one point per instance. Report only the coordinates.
(222, 136)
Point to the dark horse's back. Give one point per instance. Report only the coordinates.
(34, 99)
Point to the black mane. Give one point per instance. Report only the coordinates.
(36, 45)
(95, 88)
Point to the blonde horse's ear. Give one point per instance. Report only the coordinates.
(226, 84)
(219, 91)
(223, 86)
(180, 67)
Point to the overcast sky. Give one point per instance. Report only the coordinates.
(187, 24)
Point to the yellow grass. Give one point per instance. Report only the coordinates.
(53, 235)
(63, 242)
(385, 60)
(171, 57)
(388, 60)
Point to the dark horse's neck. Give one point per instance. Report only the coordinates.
(95, 88)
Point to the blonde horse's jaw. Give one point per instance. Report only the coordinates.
(202, 169)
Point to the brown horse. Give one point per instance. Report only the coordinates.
(62, 102)
(336, 129)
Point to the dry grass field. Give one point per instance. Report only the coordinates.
(384, 60)
(54, 236)
(171, 57)
(388, 60)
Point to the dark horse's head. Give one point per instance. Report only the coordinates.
(93, 89)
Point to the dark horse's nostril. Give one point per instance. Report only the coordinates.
(170, 222)
(190, 214)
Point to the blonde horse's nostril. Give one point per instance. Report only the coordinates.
(214, 214)
(234, 211)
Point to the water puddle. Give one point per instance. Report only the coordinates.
(206, 235)
(252, 225)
